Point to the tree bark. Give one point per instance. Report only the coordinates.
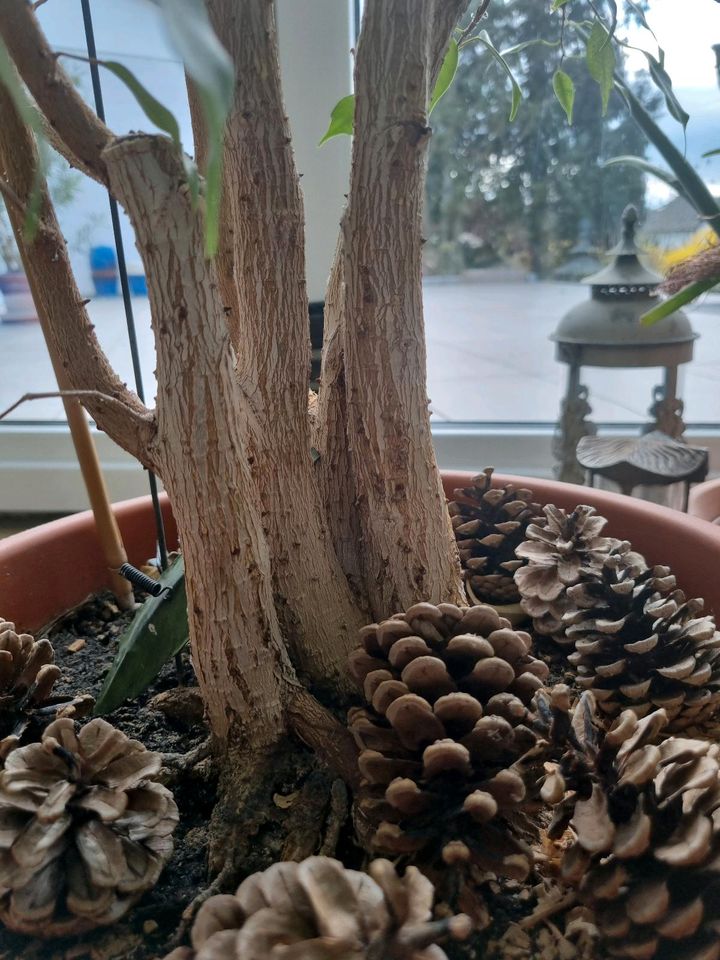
(409, 552)
(238, 652)
(264, 227)
(334, 468)
(78, 133)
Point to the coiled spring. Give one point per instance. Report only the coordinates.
(139, 579)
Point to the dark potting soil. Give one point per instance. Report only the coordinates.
(145, 931)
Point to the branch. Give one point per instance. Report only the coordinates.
(474, 21)
(101, 397)
(11, 198)
(69, 333)
(76, 125)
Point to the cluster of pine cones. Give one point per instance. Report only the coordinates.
(85, 828)
(463, 739)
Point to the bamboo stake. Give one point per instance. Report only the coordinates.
(108, 532)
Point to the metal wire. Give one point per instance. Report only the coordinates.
(122, 272)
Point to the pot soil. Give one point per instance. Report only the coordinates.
(32, 577)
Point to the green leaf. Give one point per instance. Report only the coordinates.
(152, 108)
(537, 42)
(601, 61)
(484, 38)
(710, 153)
(650, 168)
(662, 81)
(210, 67)
(677, 301)
(565, 92)
(29, 115)
(446, 75)
(557, 4)
(158, 631)
(343, 113)
(341, 118)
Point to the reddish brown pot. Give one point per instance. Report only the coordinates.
(49, 569)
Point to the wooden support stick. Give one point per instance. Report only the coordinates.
(108, 532)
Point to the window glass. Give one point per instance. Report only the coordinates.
(517, 212)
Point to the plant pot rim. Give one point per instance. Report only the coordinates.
(53, 567)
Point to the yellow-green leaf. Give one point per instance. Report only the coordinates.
(565, 92)
(678, 300)
(484, 38)
(446, 75)
(341, 118)
(601, 61)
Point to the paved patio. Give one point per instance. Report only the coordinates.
(489, 358)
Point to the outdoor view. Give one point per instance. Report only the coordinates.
(517, 212)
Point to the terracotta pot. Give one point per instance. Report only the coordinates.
(50, 568)
(705, 501)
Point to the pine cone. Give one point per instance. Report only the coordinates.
(489, 524)
(318, 910)
(639, 643)
(448, 689)
(567, 548)
(644, 817)
(27, 676)
(84, 829)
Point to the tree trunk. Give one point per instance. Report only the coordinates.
(409, 551)
(264, 227)
(333, 468)
(238, 651)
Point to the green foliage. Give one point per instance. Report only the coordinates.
(158, 631)
(601, 61)
(447, 73)
(209, 66)
(341, 118)
(525, 191)
(664, 84)
(565, 92)
(152, 108)
(485, 40)
(640, 163)
(11, 81)
(343, 113)
(678, 300)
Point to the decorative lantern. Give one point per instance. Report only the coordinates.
(605, 331)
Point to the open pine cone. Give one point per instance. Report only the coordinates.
(561, 552)
(489, 524)
(639, 643)
(448, 689)
(318, 910)
(27, 676)
(84, 829)
(644, 815)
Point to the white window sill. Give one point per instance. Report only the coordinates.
(39, 473)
